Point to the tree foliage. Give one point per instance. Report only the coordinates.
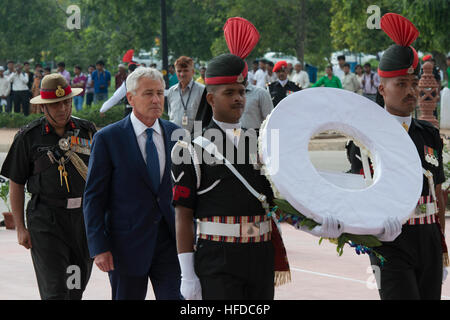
(431, 17)
(36, 30)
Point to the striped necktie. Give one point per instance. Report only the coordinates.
(152, 160)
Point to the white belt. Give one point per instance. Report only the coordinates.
(431, 207)
(250, 229)
(430, 210)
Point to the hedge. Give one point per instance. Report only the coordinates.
(17, 120)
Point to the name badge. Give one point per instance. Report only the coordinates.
(184, 121)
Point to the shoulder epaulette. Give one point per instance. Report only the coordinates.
(23, 130)
(86, 124)
(428, 125)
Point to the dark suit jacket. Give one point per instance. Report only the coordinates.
(121, 211)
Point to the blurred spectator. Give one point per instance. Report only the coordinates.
(259, 78)
(62, 70)
(26, 69)
(120, 76)
(301, 78)
(79, 81)
(271, 76)
(154, 66)
(119, 96)
(370, 83)
(172, 76)
(47, 71)
(448, 72)
(359, 76)
(38, 67)
(184, 98)
(329, 80)
(251, 73)
(5, 89)
(338, 70)
(102, 80)
(349, 81)
(90, 87)
(19, 80)
(8, 72)
(290, 71)
(35, 88)
(201, 79)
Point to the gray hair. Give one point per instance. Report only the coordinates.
(133, 78)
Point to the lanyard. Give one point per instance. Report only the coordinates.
(189, 97)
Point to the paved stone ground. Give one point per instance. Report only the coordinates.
(317, 272)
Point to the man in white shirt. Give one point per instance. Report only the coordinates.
(271, 76)
(5, 89)
(338, 70)
(119, 95)
(19, 80)
(301, 78)
(259, 78)
(183, 98)
(251, 73)
(9, 71)
(349, 81)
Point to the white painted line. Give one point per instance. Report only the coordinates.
(341, 278)
(328, 275)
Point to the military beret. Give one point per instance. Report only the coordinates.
(279, 65)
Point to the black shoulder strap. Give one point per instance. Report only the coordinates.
(204, 112)
(28, 127)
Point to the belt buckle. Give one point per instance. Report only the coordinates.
(250, 229)
(73, 203)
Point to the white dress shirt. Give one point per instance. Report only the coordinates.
(232, 130)
(158, 140)
(271, 78)
(406, 120)
(19, 81)
(118, 95)
(283, 82)
(338, 72)
(260, 77)
(5, 87)
(301, 78)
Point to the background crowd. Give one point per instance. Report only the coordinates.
(20, 82)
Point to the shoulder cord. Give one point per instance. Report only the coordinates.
(211, 148)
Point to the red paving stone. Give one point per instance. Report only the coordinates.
(317, 272)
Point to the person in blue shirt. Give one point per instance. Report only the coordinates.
(173, 80)
(102, 80)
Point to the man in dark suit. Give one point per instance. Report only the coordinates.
(129, 217)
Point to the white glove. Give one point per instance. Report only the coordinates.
(190, 284)
(331, 228)
(444, 274)
(392, 229)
